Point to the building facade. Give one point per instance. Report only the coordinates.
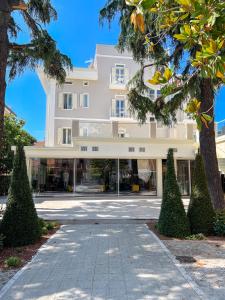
(93, 143)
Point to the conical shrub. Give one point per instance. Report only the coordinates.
(200, 211)
(20, 222)
(173, 221)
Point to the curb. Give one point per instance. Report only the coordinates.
(180, 268)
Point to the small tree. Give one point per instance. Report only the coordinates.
(172, 220)
(200, 210)
(20, 222)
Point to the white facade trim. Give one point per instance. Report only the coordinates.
(114, 56)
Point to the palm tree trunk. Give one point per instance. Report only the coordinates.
(4, 51)
(208, 147)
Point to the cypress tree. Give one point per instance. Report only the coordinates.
(173, 221)
(20, 222)
(200, 209)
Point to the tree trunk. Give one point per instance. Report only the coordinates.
(208, 147)
(4, 51)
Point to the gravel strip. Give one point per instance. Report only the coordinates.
(209, 269)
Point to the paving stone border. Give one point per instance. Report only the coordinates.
(182, 270)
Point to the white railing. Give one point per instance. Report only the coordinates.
(93, 129)
(119, 114)
(119, 80)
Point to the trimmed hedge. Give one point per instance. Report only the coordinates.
(200, 211)
(20, 224)
(173, 221)
(4, 184)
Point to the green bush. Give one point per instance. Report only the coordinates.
(219, 224)
(20, 222)
(4, 184)
(200, 211)
(196, 237)
(173, 221)
(46, 226)
(13, 262)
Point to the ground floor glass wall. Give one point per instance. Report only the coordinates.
(52, 175)
(95, 175)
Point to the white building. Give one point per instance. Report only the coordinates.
(94, 145)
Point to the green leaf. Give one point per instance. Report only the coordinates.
(147, 4)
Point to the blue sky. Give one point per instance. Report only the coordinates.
(76, 31)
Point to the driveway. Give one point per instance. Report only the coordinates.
(102, 262)
(59, 208)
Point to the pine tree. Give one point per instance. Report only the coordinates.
(200, 210)
(20, 222)
(173, 221)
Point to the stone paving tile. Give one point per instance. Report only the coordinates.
(102, 262)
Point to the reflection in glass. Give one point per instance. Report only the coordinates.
(52, 175)
(183, 176)
(96, 175)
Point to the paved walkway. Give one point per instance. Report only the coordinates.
(102, 262)
(83, 209)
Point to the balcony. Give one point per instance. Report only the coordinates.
(119, 78)
(120, 114)
(113, 129)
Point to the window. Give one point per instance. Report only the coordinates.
(84, 131)
(83, 148)
(67, 101)
(84, 100)
(131, 149)
(95, 149)
(142, 149)
(120, 74)
(158, 93)
(68, 82)
(67, 136)
(85, 83)
(152, 119)
(151, 94)
(120, 108)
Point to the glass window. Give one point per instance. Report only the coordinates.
(138, 176)
(142, 149)
(120, 74)
(84, 100)
(67, 101)
(52, 175)
(131, 149)
(158, 93)
(83, 148)
(183, 176)
(152, 94)
(67, 135)
(120, 108)
(95, 149)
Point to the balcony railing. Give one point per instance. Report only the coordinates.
(148, 131)
(120, 114)
(119, 80)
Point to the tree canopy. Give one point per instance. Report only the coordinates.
(186, 41)
(15, 135)
(183, 42)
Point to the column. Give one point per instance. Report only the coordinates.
(159, 177)
(74, 175)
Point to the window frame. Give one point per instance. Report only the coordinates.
(67, 135)
(65, 98)
(88, 100)
(119, 67)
